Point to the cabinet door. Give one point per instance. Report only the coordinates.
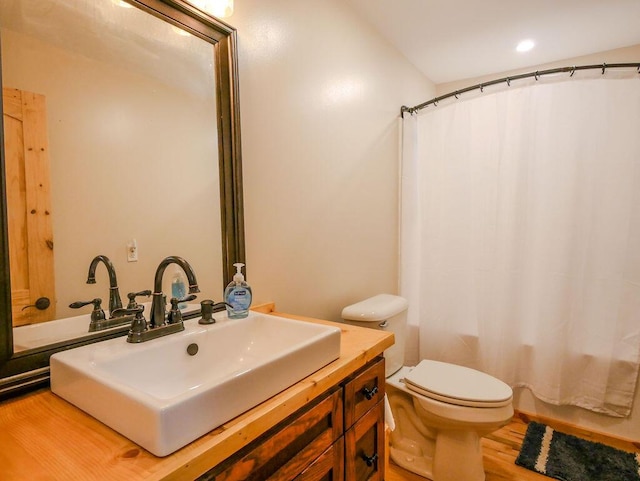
(363, 392)
(328, 467)
(365, 447)
(284, 454)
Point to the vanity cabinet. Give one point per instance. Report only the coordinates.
(327, 426)
(337, 437)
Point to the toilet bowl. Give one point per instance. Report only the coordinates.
(441, 410)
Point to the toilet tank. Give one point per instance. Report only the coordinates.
(388, 313)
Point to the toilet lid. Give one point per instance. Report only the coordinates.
(457, 385)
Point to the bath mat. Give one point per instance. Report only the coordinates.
(569, 458)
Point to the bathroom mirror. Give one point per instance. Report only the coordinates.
(137, 141)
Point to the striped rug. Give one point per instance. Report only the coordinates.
(569, 458)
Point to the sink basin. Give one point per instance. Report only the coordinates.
(162, 398)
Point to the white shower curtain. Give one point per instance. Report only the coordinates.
(520, 237)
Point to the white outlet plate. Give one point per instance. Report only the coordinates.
(132, 251)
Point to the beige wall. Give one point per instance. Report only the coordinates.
(320, 94)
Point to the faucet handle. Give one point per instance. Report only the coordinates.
(138, 325)
(127, 311)
(132, 298)
(97, 314)
(175, 315)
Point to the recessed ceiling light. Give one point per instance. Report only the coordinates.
(525, 45)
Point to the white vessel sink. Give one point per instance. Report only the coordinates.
(162, 398)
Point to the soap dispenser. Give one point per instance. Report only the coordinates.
(237, 295)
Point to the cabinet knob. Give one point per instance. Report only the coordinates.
(370, 460)
(369, 393)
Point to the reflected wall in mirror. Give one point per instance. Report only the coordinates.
(120, 129)
(131, 116)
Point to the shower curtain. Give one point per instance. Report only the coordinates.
(520, 237)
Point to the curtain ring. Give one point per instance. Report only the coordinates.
(604, 66)
(573, 70)
(536, 75)
(435, 103)
(481, 88)
(455, 94)
(508, 82)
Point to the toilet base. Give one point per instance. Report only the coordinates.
(458, 456)
(420, 465)
(411, 444)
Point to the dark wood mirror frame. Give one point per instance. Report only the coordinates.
(30, 369)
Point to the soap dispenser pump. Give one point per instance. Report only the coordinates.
(237, 295)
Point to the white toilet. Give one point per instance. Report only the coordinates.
(440, 410)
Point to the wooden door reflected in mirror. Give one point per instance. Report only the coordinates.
(28, 187)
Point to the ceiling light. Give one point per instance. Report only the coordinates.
(525, 45)
(179, 31)
(217, 8)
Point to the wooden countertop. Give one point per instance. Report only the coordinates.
(44, 437)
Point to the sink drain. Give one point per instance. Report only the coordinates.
(192, 349)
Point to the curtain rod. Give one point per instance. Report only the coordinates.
(507, 80)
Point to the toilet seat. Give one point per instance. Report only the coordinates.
(458, 385)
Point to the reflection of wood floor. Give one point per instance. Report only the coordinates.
(502, 447)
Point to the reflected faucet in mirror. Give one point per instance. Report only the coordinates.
(114, 294)
(99, 321)
(97, 315)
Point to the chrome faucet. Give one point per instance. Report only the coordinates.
(114, 293)
(158, 303)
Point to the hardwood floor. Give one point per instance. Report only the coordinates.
(501, 448)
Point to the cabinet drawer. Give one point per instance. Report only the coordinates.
(365, 447)
(294, 445)
(363, 392)
(328, 467)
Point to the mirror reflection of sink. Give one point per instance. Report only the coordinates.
(41, 334)
(36, 335)
(162, 398)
